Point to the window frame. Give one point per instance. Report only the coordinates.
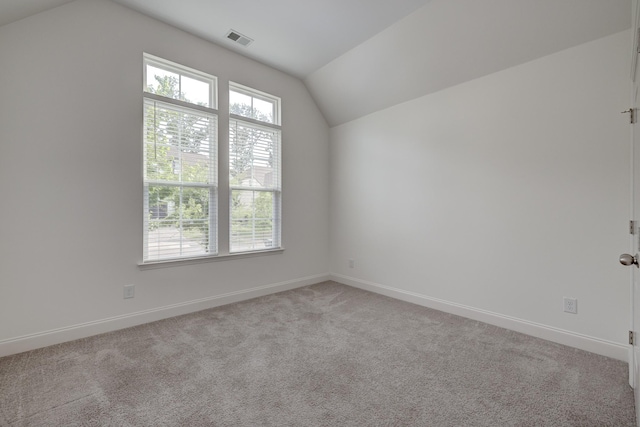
(212, 184)
(275, 190)
(254, 93)
(182, 70)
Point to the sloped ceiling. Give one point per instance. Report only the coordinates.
(448, 42)
(295, 36)
(360, 56)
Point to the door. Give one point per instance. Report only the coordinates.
(634, 357)
(634, 354)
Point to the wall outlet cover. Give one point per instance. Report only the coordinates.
(129, 291)
(570, 305)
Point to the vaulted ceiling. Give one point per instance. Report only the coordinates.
(294, 36)
(448, 42)
(359, 56)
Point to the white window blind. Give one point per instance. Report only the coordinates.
(254, 170)
(180, 163)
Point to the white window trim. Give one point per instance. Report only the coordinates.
(222, 166)
(185, 71)
(277, 191)
(210, 258)
(213, 186)
(246, 90)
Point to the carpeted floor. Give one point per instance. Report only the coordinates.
(323, 355)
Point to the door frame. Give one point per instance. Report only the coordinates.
(634, 356)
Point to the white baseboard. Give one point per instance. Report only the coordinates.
(74, 332)
(561, 336)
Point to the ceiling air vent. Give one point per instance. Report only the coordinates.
(239, 38)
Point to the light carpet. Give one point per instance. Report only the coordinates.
(322, 355)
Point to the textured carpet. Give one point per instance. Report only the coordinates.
(323, 355)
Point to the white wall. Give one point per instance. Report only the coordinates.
(497, 197)
(71, 185)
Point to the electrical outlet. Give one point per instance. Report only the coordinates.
(129, 291)
(571, 305)
(352, 263)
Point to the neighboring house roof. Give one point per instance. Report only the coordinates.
(188, 157)
(257, 176)
(263, 175)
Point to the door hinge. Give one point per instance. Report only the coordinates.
(632, 115)
(632, 225)
(631, 340)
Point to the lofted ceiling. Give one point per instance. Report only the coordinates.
(360, 56)
(295, 36)
(448, 42)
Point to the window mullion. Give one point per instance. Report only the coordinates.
(253, 222)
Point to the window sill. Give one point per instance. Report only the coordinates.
(200, 260)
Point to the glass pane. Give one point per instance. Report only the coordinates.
(195, 238)
(178, 222)
(161, 162)
(196, 91)
(178, 146)
(194, 167)
(253, 156)
(195, 153)
(162, 82)
(195, 221)
(160, 156)
(252, 218)
(195, 204)
(263, 110)
(240, 104)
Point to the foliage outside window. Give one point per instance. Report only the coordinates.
(254, 169)
(180, 164)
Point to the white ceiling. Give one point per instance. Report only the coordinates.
(295, 36)
(359, 56)
(448, 42)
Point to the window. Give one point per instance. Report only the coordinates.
(180, 161)
(254, 169)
